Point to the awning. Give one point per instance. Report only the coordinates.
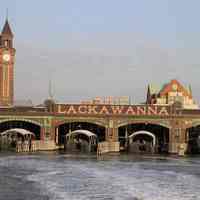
(17, 130)
(84, 132)
(144, 133)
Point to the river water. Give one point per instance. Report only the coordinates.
(54, 176)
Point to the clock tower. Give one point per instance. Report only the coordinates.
(7, 57)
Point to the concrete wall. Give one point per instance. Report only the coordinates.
(106, 147)
(45, 145)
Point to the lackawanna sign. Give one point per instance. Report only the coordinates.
(77, 109)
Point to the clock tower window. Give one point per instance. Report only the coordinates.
(6, 43)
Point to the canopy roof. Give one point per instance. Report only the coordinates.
(17, 130)
(84, 132)
(144, 133)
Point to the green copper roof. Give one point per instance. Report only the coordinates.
(154, 89)
(189, 89)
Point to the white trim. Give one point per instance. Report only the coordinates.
(22, 120)
(85, 132)
(144, 133)
(17, 130)
(138, 121)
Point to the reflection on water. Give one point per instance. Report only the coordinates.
(117, 177)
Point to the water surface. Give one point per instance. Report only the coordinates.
(54, 176)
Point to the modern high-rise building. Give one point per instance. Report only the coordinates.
(7, 58)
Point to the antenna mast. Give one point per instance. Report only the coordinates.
(50, 89)
(7, 14)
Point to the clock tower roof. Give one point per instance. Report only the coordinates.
(6, 29)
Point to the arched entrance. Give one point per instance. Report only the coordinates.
(29, 126)
(16, 129)
(142, 141)
(193, 136)
(81, 140)
(146, 133)
(16, 139)
(68, 127)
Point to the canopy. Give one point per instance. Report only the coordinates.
(84, 132)
(17, 130)
(144, 133)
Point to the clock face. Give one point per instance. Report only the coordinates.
(6, 57)
(174, 87)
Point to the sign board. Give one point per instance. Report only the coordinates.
(78, 109)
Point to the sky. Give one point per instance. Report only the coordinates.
(102, 48)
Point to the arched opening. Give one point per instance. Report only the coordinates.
(144, 133)
(14, 132)
(193, 139)
(65, 128)
(142, 141)
(16, 139)
(29, 126)
(81, 140)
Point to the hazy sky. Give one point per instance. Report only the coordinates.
(94, 48)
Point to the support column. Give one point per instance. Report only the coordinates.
(177, 137)
(111, 132)
(52, 130)
(126, 139)
(46, 135)
(186, 136)
(112, 136)
(42, 133)
(56, 135)
(183, 146)
(170, 150)
(52, 133)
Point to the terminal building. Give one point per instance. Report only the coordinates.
(170, 93)
(168, 122)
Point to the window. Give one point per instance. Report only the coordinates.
(6, 43)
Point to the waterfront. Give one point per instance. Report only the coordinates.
(53, 176)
